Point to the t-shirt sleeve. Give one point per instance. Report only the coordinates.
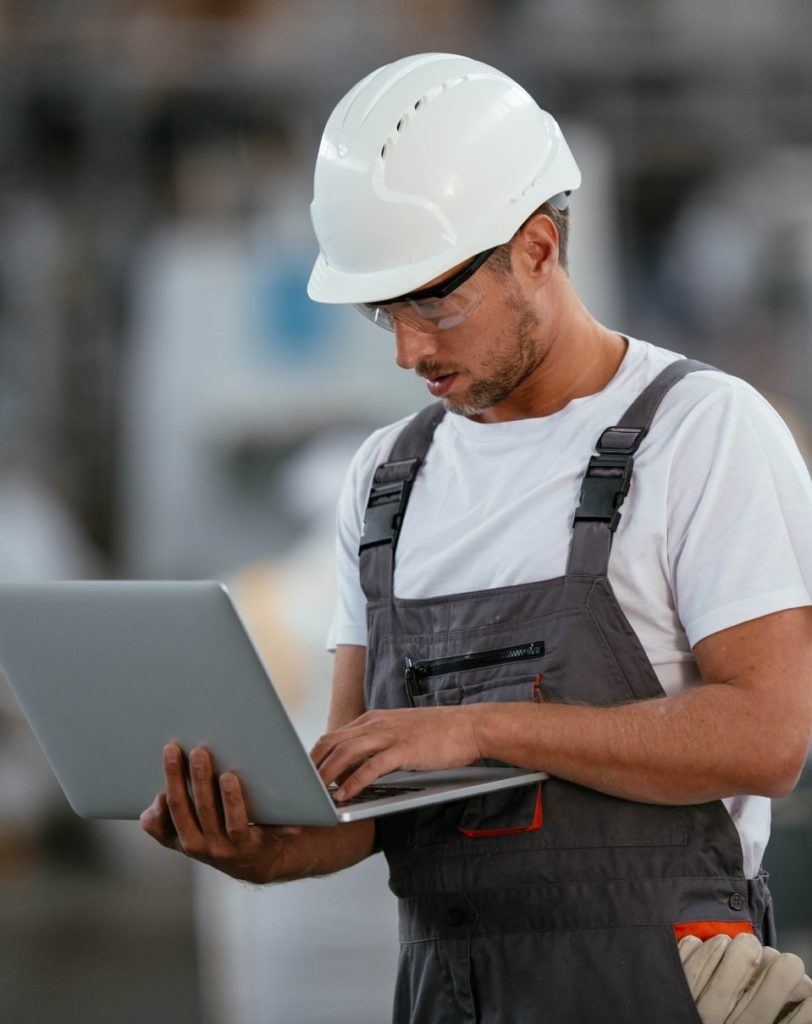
(739, 504)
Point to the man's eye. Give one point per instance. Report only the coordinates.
(428, 306)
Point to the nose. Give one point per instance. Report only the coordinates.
(412, 346)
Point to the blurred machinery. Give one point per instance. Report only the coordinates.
(738, 270)
(231, 368)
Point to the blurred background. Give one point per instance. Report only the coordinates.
(172, 405)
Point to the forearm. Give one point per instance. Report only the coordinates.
(745, 729)
(704, 744)
(323, 851)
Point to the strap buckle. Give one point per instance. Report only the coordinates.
(391, 487)
(608, 476)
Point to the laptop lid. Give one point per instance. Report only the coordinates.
(108, 672)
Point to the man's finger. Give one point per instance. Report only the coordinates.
(237, 824)
(366, 774)
(181, 812)
(206, 794)
(364, 725)
(156, 822)
(326, 745)
(345, 758)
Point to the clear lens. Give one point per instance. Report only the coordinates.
(426, 315)
(379, 315)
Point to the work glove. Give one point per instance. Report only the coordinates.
(739, 981)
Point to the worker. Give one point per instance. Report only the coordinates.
(590, 556)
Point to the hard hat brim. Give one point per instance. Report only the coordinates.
(329, 285)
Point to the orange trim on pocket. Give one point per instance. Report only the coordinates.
(483, 833)
(707, 929)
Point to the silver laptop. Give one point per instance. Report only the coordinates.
(108, 672)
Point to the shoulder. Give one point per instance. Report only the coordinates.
(372, 452)
(708, 401)
(720, 443)
(717, 408)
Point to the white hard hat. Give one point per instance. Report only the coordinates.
(423, 164)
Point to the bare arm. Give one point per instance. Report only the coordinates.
(347, 694)
(745, 729)
(213, 825)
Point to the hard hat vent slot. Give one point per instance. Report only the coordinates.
(419, 103)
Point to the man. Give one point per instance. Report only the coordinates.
(496, 604)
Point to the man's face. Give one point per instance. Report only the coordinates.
(477, 365)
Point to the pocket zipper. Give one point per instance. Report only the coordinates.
(419, 670)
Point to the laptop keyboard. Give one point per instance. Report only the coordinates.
(377, 793)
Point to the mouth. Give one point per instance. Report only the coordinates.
(440, 385)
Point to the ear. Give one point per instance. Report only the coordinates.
(535, 250)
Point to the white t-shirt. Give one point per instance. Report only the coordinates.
(713, 532)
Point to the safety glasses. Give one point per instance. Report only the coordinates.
(432, 309)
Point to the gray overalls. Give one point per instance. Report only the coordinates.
(550, 903)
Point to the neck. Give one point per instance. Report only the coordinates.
(578, 357)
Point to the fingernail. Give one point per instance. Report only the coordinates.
(227, 782)
(171, 754)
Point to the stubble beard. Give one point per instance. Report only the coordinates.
(505, 372)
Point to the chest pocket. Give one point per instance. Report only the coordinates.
(498, 674)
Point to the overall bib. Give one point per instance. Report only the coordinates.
(549, 903)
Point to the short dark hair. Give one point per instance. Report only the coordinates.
(500, 260)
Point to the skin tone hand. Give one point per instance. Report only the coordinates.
(213, 826)
(384, 741)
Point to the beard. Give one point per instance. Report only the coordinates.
(504, 371)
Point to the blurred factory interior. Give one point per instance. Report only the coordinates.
(172, 405)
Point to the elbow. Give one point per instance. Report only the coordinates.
(783, 785)
(777, 754)
(781, 771)
(779, 788)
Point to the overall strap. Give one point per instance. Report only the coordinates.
(609, 473)
(388, 497)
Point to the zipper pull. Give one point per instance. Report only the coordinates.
(411, 683)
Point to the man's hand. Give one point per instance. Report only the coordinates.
(384, 741)
(212, 825)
